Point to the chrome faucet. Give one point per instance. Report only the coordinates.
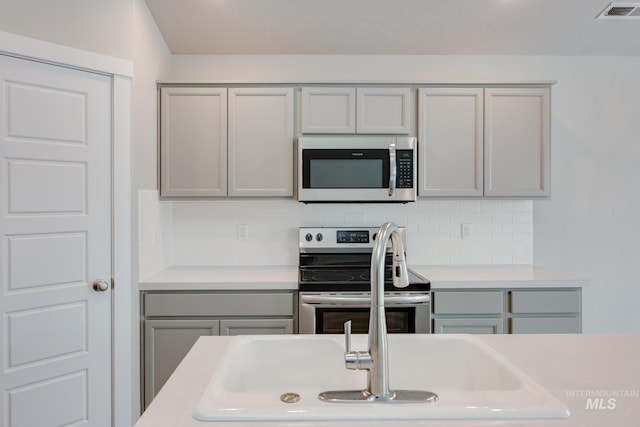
(375, 360)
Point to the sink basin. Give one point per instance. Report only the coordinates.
(471, 379)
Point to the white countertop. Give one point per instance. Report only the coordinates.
(496, 276)
(223, 278)
(286, 277)
(574, 368)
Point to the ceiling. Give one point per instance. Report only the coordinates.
(405, 27)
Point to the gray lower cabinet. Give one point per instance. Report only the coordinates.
(544, 311)
(166, 342)
(468, 312)
(173, 321)
(513, 311)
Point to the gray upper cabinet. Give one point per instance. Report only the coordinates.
(363, 110)
(218, 142)
(261, 142)
(193, 141)
(484, 141)
(328, 110)
(450, 135)
(382, 110)
(239, 142)
(516, 141)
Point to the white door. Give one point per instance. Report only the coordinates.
(55, 226)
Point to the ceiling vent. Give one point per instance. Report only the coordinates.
(621, 11)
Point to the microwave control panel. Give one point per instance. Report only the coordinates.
(404, 169)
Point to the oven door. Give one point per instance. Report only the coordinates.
(360, 169)
(325, 313)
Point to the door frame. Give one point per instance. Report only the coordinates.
(125, 381)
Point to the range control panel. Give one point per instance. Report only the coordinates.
(332, 238)
(355, 236)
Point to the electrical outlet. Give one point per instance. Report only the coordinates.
(242, 231)
(465, 231)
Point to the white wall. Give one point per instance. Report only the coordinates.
(151, 61)
(587, 228)
(204, 233)
(100, 26)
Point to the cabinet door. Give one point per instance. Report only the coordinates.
(328, 110)
(383, 111)
(516, 142)
(450, 141)
(166, 342)
(256, 326)
(193, 141)
(493, 325)
(261, 142)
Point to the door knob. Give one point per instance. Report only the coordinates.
(100, 285)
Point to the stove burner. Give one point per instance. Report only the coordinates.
(332, 276)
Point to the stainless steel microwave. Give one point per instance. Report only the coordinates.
(357, 169)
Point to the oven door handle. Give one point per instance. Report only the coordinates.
(364, 300)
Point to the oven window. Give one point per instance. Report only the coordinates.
(331, 320)
(346, 173)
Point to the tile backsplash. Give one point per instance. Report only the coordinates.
(210, 232)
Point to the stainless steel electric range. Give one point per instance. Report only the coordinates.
(334, 285)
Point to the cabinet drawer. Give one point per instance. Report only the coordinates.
(468, 302)
(545, 325)
(218, 304)
(565, 301)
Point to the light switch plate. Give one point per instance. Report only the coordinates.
(242, 231)
(466, 231)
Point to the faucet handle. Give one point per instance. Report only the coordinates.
(347, 336)
(354, 359)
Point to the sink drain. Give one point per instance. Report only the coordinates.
(289, 397)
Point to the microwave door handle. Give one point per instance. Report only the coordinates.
(392, 169)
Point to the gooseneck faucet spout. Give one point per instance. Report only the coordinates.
(378, 373)
(376, 360)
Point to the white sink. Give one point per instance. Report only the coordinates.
(471, 379)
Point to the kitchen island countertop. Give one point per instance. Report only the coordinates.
(286, 277)
(596, 376)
